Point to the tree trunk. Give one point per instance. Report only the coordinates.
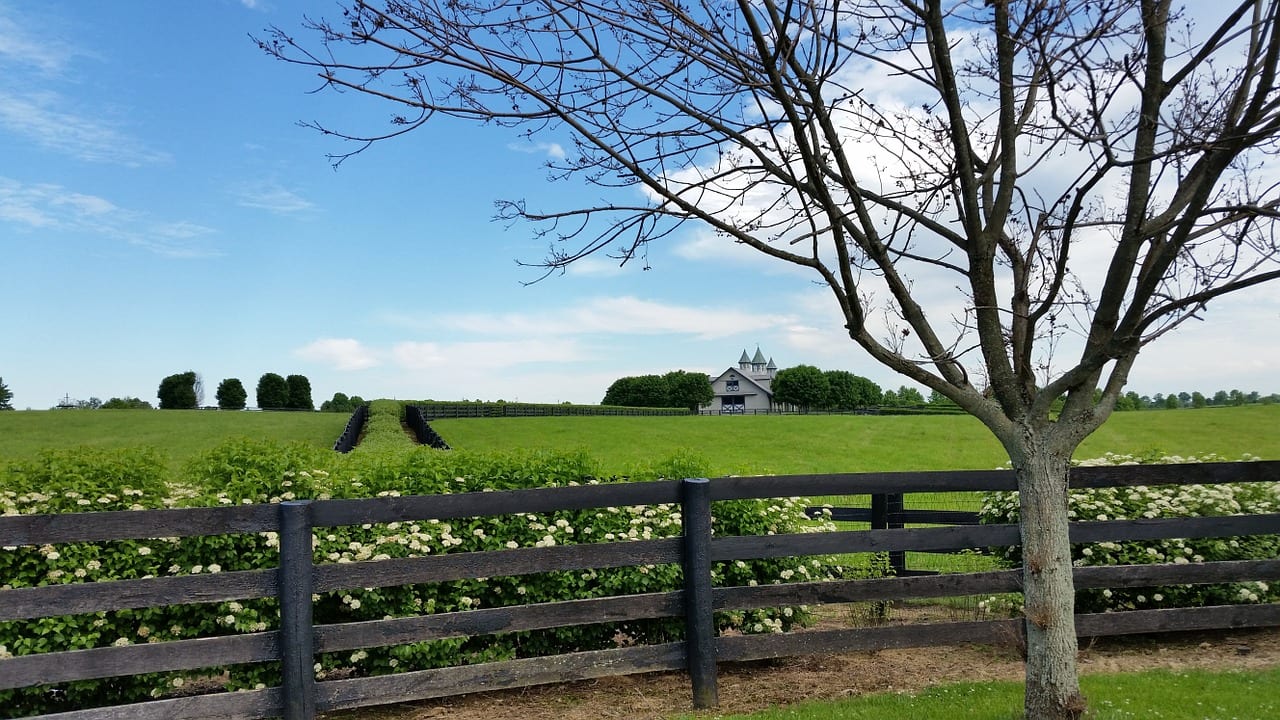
(1053, 687)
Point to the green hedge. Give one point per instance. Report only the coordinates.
(1167, 501)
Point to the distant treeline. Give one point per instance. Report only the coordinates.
(436, 410)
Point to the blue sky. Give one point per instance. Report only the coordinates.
(162, 211)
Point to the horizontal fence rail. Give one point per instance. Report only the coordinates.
(297, 641)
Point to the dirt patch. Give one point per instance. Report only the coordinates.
(746, 687)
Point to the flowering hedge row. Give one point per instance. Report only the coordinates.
(1166, 501)
(247, 471)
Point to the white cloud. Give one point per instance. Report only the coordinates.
(617, 316)
(599, 267)
(48, 206)
(41, 119)
(705, 245)
(181, 230)
(339, 353)
(271, 196)
(30, 65)
(22, 204)
(555, 151)
(46, 53)
(483, 355)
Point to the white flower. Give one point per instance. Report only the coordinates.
(215, 568)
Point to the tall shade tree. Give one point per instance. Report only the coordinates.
(638, 391)
(1029, 192)
(178, 391)
(688, 389)
(231, 394)
(339, 404)
(272, 392)
(804, 386)
(299, 393)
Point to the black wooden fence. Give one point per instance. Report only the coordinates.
(422, 430)
(888, 511)
(351, 433)
(296, 578)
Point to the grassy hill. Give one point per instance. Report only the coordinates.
(750, 444)
(859, 443)
(178, 433)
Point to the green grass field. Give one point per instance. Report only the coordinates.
(791, 444)
(788, 444)
(179, 434)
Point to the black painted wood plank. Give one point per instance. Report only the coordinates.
(353, 636)
(504, 502)
(1116, 576)
(248, 705)
(495, 563)
(1218, 617)
(49, 668)
(1177, 474)
(444, 682)
(760, 647)
(769, 486)
(842, 591)
(74, 598)
(135, 524)
(856, 541)
(1160, 528)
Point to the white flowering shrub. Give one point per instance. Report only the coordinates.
(1167, 501)
(249, 472)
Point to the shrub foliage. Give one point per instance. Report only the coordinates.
(1165, 501)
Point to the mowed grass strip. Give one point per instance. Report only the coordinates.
(1163, 694)
(798, 444)
(180, 434)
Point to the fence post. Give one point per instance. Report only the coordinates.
(699, 622)
(297, 637)
(883, 506)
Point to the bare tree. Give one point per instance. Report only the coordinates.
(1088, 174)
